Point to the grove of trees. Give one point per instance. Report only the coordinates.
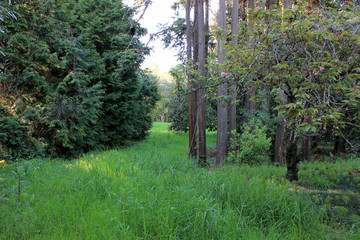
(294, 65)
(70, 80)
(278, 79)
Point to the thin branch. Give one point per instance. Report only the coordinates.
(342, 134)
(147, 3)
(352, 124)
(153, 35)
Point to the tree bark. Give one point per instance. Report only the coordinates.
(163, 114)
(250, 91)
(222, 112)
(207, 9)
(306, 148)
(340, 145)
(234, 33)
(291, 151)
(286, 4)
(201, 100)
(251, 7)
(192, 94)
(292, 162)
(279, 147)
(268, 4)
(280, 143)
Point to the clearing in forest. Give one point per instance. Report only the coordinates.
(151, 190)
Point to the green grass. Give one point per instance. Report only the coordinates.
(153, 191)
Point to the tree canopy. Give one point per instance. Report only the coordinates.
(70, 76)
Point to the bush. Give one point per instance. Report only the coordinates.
(251, 146)
(15, 140)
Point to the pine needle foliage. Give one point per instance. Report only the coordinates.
(70, 73)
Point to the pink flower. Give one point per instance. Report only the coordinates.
(321, 68)
(224, 74)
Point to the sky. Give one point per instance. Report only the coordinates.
(159, 12)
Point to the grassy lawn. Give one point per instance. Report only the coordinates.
(152, 191)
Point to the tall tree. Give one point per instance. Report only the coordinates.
(201, 98)
(268, 4)
(222, 110)
(286, 5)
(250, 88)
(306, 144)
(196, 48)
(233, 93)
(191, 83)
(279, 147)
(71, 72)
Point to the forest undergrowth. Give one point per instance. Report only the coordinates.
(151, 190)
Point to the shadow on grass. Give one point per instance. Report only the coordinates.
(341, 199)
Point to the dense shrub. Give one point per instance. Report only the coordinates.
(15, 141)
(252, 145)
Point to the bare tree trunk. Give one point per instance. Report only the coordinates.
(243, 10)
(222, 112)
(279, 147)
(207, 9)
(201, 101)
(163, 114)
(250, 91)
(195, 39)
(306, 148)
(251, 7)
(207, 30)
(292, 162)
(268, 4)
(279, 143)
(234, 33)
(286, 4)
(192, 95)
(340, 145)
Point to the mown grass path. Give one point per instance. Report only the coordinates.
(152, 191)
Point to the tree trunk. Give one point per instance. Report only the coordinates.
(306, 148)
(163, 114)
(268, 4)
(250, 91)
(280, 136)
(207, 9)
(201, 100)
(280, 130)
(340, 145)
(280, 143)
(286, 4)
(251, 7)
(292, 162)
(221, 144)
(192, 94)
(234, 33)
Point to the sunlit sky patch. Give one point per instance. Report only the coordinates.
(159, 12)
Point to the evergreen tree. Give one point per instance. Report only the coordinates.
(71, 75)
